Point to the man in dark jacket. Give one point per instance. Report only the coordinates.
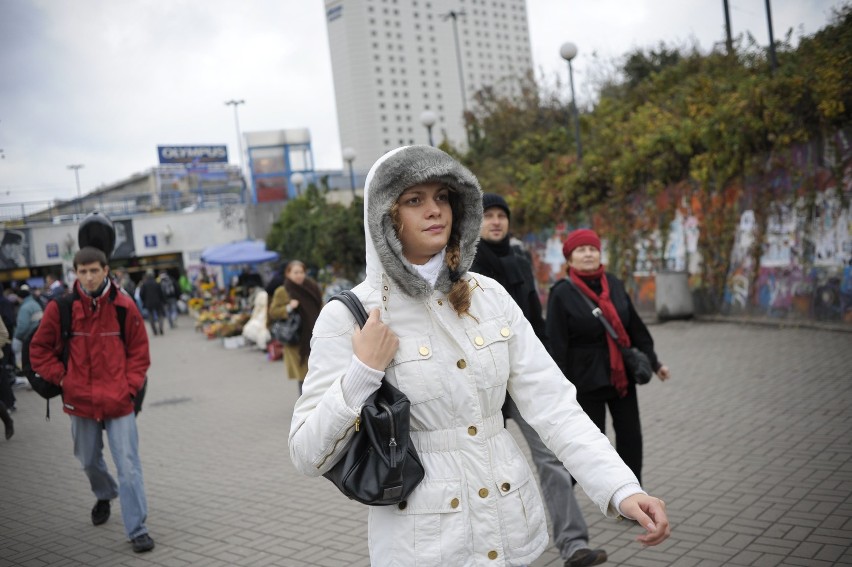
(103, 374)
(154, 302)
(497, 258)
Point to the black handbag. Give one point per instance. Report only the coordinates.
(380, 466)
(287, 330)
(637, 365)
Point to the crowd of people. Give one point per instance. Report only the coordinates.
(455, 322)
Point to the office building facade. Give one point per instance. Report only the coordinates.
(394, 59)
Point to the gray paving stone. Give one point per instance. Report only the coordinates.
(755, 464)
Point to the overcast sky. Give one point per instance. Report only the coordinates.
(103, 82)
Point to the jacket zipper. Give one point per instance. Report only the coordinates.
(356, 425)
(392, 443)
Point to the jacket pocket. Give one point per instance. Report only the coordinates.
(415, 372)
(429, 525)
(519, 503)
(490, 339)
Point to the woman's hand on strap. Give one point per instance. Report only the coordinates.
(650, 513)
(375, 345)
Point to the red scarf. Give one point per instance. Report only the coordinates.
(617, 374)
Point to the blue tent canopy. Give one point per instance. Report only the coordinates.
(242, 252)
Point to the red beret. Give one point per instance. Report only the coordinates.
(580, 237)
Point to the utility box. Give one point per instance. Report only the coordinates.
(673, 299)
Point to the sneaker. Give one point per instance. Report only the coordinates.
(142, 543)
(100, 513)
(586, 557)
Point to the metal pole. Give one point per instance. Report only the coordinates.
(773, 59)
(729, 42)
(429, 130)
(236, 103)
(454, 15)
(351, 178)
(76, 167)
(576, 114)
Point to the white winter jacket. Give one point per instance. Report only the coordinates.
(479, 503)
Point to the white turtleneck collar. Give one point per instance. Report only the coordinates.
(430, 270)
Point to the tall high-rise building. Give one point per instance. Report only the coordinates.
(394, 59)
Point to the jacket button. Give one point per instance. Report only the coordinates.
(424, 351)
(471, 430)
(505, 487)
(440, 302)
(483, 493)
(492, 554)
(504, 331)
(479, 341)
(454, 503)
(461, 363)
(402, 505)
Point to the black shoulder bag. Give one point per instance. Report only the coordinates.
(380, 466)
(636, 362)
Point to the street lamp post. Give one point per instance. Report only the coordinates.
(568, 51)
(455, 16)
(349, 156)
(76, 167)
(428, 119)
(235, 104)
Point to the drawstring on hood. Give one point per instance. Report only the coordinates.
(392, 174)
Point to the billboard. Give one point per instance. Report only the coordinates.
(192, 154)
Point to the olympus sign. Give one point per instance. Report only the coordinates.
(190, 154)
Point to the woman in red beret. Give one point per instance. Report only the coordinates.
(585, 351)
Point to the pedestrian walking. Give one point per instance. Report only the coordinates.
(497, 258)
(102, 374)
(154, 301)
(302, 295)
(588, 355)
(454, 342)
(171, 294)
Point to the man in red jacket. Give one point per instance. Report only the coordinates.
(99, 381)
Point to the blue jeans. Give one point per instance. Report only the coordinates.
(570, 531)
(124, 446)
(172, 312)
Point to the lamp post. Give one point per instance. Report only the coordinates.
(568, 51)
(76, 167)
(455, 16)
(298, 179)
(773, 58)
(235, 104)
(428, 119)
(349, 156)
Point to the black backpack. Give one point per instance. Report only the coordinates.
(48, 390)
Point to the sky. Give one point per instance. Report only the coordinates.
(102, 83)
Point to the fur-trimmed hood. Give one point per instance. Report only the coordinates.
(392, 174)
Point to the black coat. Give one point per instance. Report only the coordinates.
(152, 295)
(578, 339)
(512, 269)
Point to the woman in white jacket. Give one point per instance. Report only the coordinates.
(454, 342)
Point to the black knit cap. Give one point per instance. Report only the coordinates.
(494, 200)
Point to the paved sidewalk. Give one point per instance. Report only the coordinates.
(750, 445)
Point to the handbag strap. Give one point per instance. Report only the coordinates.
(351, 301)
(596, 311)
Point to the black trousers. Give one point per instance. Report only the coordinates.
(625, 421)
(6, 377)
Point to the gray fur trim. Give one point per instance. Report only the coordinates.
(406, 168)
